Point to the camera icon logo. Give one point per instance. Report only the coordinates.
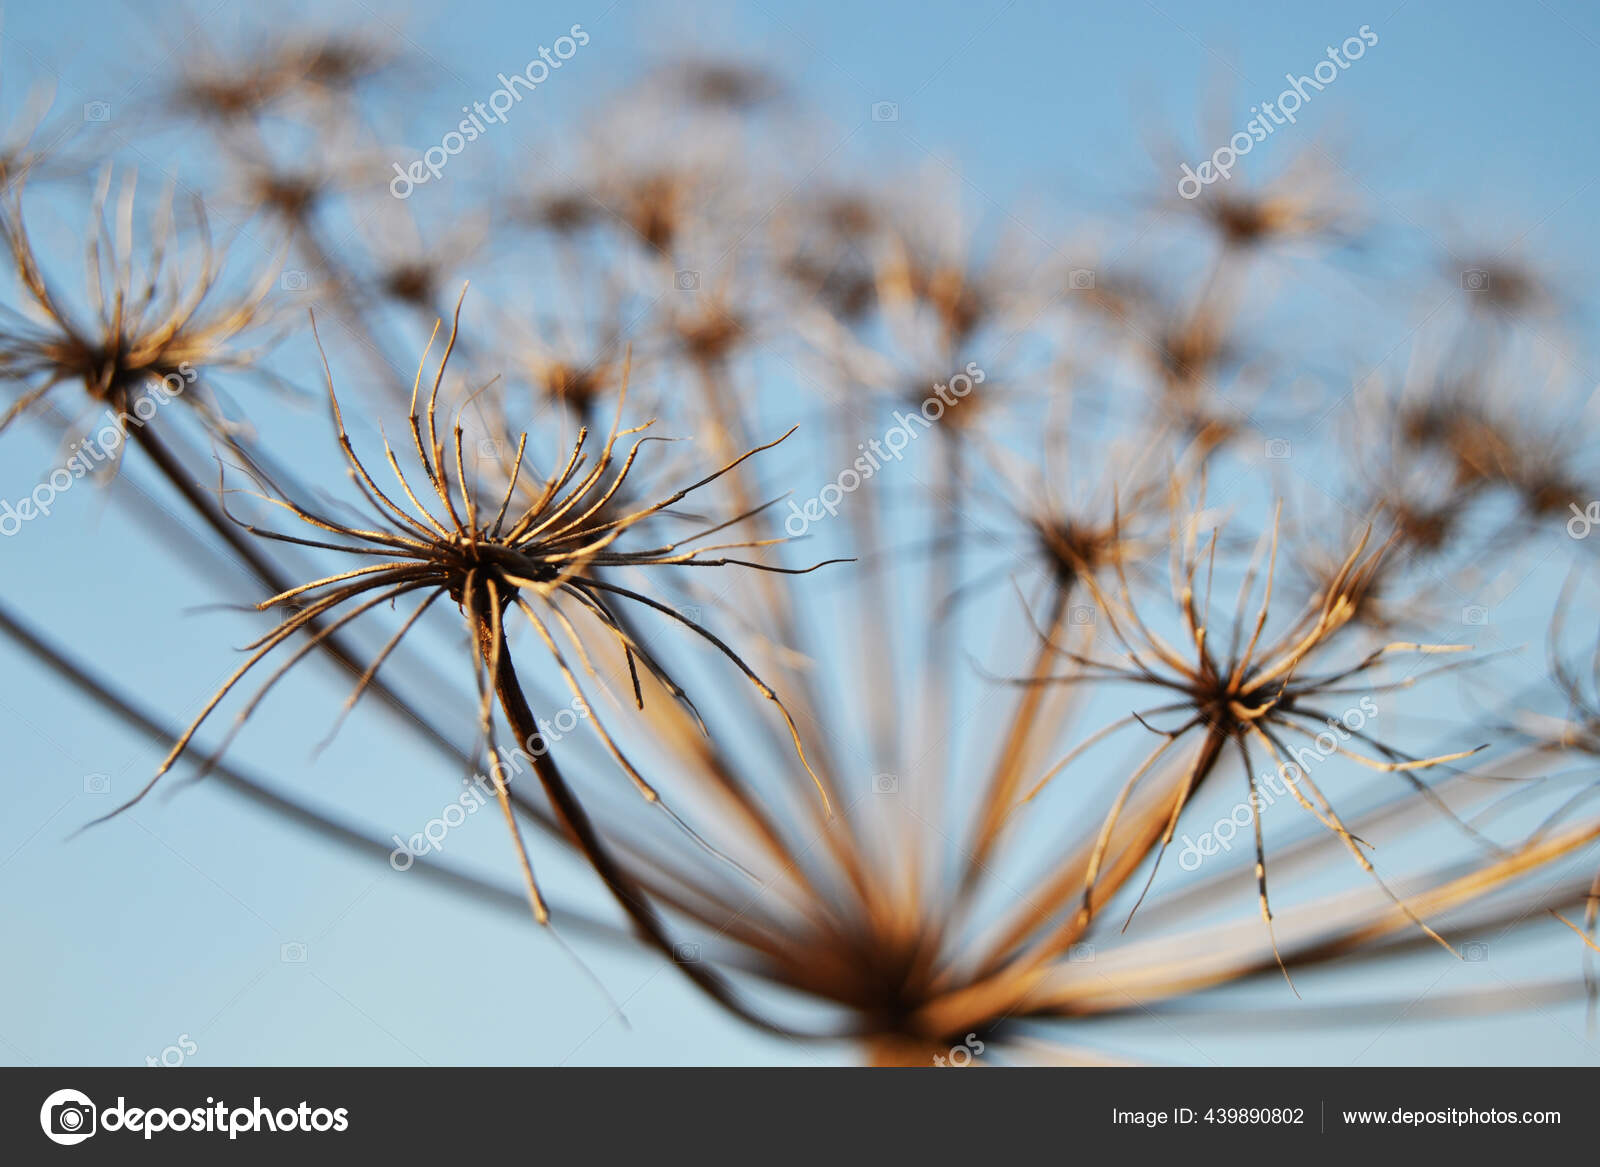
(1474, 614)
(1475, 279)
(885, 111)
(1476, 952)
(1278, 449)
(686, 953)
(488, 448)
(97, 111)
(885, 784)
(1080, 279)
(293, 952)
(97, 783)
(1081, 953)
(1081, 614)
(686, 281)
(293, 281)
(68, 1117)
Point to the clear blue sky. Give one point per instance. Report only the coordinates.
(1466, 117)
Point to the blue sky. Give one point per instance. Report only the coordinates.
(1465, 121)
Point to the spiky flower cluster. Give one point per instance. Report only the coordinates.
(936, 796)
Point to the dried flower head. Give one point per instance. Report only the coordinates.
(1262, 692)
(726, 84)
(491, 554)
(231, 91)
(151, 319)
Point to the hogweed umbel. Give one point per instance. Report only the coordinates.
(490, 554)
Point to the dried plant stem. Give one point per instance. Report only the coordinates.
(943, 570)
(873, 615)
(349, 305)
(1009, 762)
(728, 439)
(495, 653)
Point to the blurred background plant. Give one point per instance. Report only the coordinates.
(1138, 498)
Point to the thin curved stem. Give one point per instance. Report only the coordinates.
(496, 655)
